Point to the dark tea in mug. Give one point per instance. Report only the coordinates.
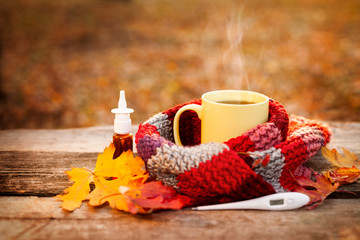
(236, 102)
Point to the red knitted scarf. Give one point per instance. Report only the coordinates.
(261, 161)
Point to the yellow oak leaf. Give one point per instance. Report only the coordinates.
(337, 160)
(73, 196)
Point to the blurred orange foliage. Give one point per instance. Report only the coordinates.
(63, 62)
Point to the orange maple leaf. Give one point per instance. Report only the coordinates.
(343, 175)
(129, 168)
(317, 190)
(125, 165)
(103, 166)
(109, 191)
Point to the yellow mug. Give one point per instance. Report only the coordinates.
(226, 114)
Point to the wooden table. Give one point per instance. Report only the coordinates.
(32, 166)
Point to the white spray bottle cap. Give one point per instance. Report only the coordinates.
(122, 121)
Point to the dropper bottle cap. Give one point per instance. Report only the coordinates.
(122, 121)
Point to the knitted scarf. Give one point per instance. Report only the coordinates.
(262, 161)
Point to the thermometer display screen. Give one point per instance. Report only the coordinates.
(275, 202)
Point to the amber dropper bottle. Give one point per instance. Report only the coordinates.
(122, 138)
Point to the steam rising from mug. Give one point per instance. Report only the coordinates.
(233, 61)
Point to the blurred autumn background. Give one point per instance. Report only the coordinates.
(63, 62)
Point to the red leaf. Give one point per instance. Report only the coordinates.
(318, 190)
(154, 195)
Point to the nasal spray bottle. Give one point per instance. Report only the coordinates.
(122, 138)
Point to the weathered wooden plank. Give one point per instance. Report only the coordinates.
(41, 218)
(33, 162)
(92, 139)
(43, 173)
(95, 139)
(39, 173)
(37, 166)
(345, 135)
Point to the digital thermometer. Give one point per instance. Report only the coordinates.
(277, 201)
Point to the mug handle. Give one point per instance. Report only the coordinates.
(194, 107)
